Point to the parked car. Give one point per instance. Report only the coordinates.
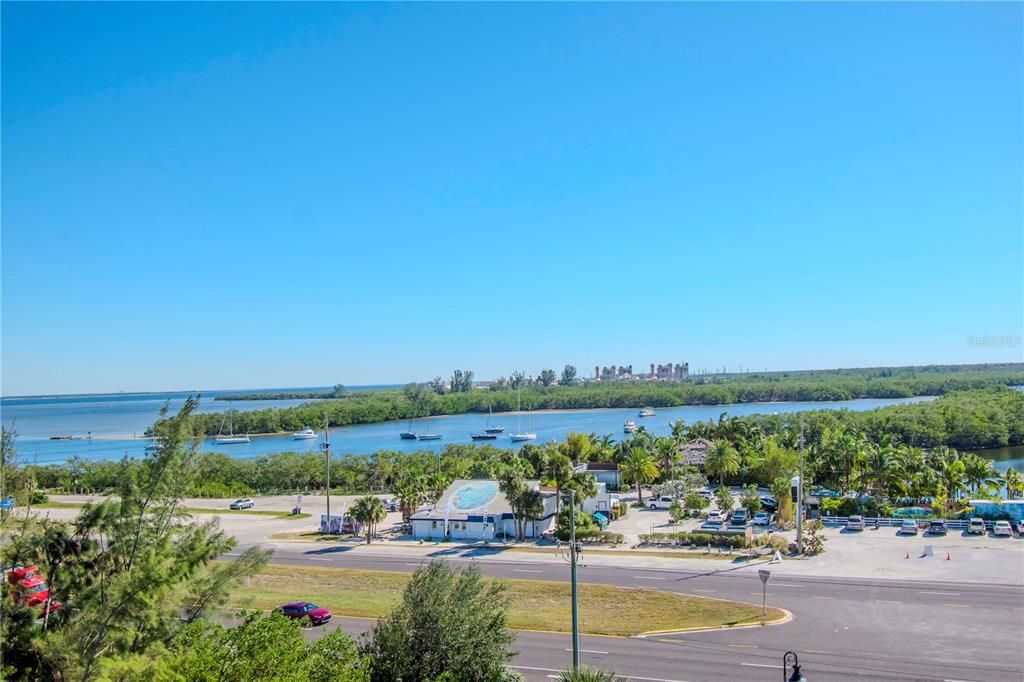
(762, 518)
(243, 503)
(825, 492)
(715, 516)
(937, 527)
(908, 527)
(663, 502)
(711, 525)
(740, 517)
(1002, 528)
(855, 522)
(391, 505)
(1020, 528)
(769, 503)
(976, 526)
(317, 615)
(29, 589)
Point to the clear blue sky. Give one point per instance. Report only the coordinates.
(243, 195)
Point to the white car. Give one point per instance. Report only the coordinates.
(855, 523)
(663, 502)
(908, 527)
(243, 503)
(715, 516)
(762, 519)
(1002, 528)
(976, 526)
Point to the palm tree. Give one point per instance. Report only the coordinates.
(638, 468)
(1014, 483)
(369, 511)
(531, 509)
(513, 487)
(558, 472)
(980, 473)
(668, 456)
(722, 460)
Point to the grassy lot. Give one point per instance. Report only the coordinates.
(536, 604)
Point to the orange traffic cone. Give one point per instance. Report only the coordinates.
(947, 556)
(908, 556)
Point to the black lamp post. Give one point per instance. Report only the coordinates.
(790, 659)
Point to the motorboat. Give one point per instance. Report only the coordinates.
(646, 412)
(305, 434)
(407, 435)
(629, 426)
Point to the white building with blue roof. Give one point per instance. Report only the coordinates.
(478, 510)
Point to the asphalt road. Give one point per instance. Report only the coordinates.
(842, 628)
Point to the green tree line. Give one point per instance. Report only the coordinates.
(367, 407)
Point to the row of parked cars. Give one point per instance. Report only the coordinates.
(975, 526)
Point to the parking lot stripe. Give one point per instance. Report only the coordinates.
(959, 606)
(816, 596)
(700, 590)
(743, 646)
(526, 570)
(761, 665)
(647, 577)
(590, 651)
(950, 594)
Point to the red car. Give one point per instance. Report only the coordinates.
(317, 615)
(29, 588)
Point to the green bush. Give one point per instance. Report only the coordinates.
(695, 539)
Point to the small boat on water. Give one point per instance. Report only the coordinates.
(230, 438)
(428, 436)
(646, 412)
(519, 436)
(492, 428)
(407, 435)
(629, 426)
(305, 434)
(484, 436)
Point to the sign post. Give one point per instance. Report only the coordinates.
(763, 575)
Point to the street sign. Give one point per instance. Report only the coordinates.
(763, 575)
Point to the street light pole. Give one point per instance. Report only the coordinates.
(790, 659)
(572, 570)
(327, 458)
(800, 496)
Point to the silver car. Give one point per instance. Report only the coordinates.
(242, 503)
(908, 527)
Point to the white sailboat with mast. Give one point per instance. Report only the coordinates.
(519, 436)
(230, 438)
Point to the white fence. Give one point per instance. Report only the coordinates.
(897, 521)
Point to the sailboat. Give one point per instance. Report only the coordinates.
(489, 432)
(230, 438)
(428, 436)
(489, 428)
(519, 436)
(409, 434)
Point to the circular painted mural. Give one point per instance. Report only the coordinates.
(474, 495)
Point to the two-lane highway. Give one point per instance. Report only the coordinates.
(842, 628)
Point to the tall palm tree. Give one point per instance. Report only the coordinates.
(979, 473)
(638, 468)
(668, 456)
(369, 511)
(1014, 483)
(722, 460)
(558, 472)
(531, 509)
(513, 487)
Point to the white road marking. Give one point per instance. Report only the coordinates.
(628, 677)
(761, 665)
(590, 651)
(318, 558)
(647, 577)
(525, 570)
(774, 584)
(414, 564)
(951, 594)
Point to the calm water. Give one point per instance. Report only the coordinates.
(1005, 458)
(37, 419)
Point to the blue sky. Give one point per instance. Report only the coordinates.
(242, 195)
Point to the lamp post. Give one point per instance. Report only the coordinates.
(572, 575)
(327, 460)
(790, 660)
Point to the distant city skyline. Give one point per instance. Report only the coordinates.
(250, 195)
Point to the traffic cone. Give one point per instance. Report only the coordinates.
(947, 556)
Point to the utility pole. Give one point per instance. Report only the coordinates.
(327, 458)
(572, 569)
(800, 496)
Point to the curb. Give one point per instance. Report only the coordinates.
(786, 617)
